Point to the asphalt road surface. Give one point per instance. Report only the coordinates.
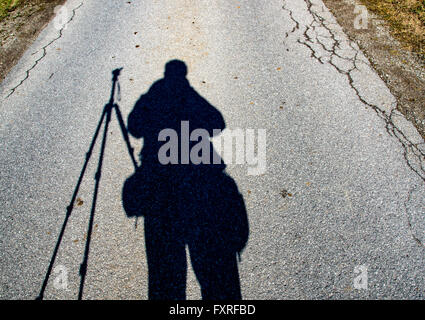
(342, 195)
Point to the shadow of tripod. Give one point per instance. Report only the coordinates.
(106, 118)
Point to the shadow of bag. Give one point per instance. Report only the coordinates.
(139, 194)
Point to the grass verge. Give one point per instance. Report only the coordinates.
(406, 19)
(6, 6)
(20, 23)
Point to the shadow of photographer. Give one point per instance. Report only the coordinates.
(193, 205)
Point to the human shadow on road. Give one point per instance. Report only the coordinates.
(191, 205)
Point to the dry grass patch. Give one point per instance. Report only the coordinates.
(6, 6)
(20, 23)
(406, 19)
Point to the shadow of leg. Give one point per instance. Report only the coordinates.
(216, 270)
(166, 258)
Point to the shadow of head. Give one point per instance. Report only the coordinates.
(175, 69)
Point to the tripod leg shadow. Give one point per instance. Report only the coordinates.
(105, 120)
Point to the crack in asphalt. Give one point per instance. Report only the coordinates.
(411, 231)
(297, 24)
(44, 49)
(310, 38)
